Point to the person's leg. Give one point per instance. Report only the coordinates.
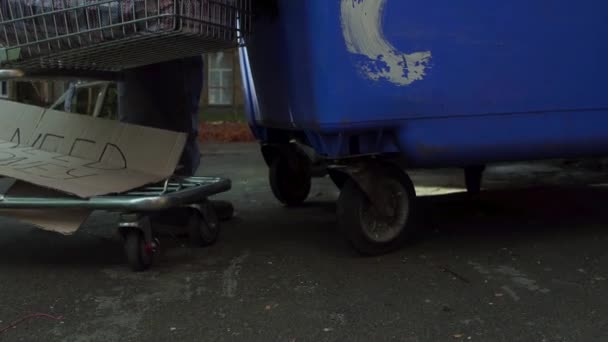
(167, 96)
(137, 100)
(191, 157)
(162, 96)
(193, 78)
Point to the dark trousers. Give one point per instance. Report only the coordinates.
(166, 96)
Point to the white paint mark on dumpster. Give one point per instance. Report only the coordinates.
(363, 31)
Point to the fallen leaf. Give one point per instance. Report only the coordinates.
(225, 132)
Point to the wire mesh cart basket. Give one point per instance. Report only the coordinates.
(42, 36)
(138, 208)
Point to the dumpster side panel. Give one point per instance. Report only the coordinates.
(414, 66)
(473, 140)
(480, 57)
(281, 63)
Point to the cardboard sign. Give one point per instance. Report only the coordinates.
(82, 155)
(62, 221)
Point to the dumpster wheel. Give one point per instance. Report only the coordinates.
(290, 176)
(378, 226)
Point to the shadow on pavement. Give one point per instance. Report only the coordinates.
(570, 211)
(513, 215)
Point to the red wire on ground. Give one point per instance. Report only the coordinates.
(23, 319)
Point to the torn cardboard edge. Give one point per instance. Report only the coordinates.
(62, 221)
(82, 155)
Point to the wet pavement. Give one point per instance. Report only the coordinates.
(524, 261)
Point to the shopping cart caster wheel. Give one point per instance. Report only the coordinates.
(203, 226)
(473, 176)
(140, 253)
(290, 176)
(375, 229)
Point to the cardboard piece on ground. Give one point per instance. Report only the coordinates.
(65, 221)
(79, 155)
(82, 155)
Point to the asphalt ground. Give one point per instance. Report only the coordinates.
(525, 261)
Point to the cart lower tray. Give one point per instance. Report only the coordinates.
(173, 192)
(138, 208)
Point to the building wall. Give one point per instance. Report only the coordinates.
(223, 90)
(221, 99)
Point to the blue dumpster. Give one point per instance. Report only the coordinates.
(435, 83)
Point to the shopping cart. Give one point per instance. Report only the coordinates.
(97, 37)
(138, 208)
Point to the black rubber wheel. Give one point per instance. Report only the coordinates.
(372, 231)
(290, 177)
(139, 255)
(473, 176)
(203, 226)
(224, 210)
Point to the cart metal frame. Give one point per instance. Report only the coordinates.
(171, 193)
(136, 208)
